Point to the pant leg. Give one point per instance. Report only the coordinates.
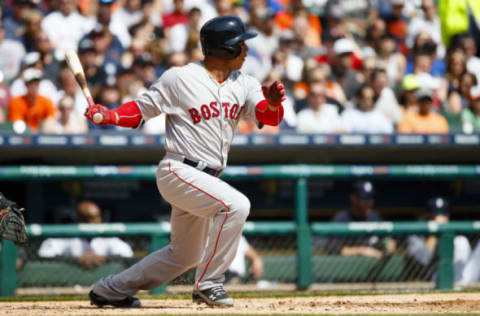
(229, 211)
(159, 267)
(196, 199)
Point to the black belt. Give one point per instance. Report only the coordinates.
(210, 171)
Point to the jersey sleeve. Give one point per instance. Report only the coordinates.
(254, 96)
(161, 97)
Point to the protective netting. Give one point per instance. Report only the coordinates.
(335, 260)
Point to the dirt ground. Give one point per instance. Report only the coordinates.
(361, 304)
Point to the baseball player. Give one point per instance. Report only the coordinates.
(203, 103)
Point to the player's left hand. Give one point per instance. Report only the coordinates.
(275, 93)
(108, 116)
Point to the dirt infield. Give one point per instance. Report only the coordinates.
(440, 303)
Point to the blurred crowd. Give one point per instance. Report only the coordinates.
(349, 66)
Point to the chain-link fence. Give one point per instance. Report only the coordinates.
(347, 257)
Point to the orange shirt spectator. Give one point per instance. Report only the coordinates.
(425, 121)
(31, 108)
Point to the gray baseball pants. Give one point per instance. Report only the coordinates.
(206, 224)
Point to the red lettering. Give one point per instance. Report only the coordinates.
(205, 112)
(195, 116)
(225, 108)
(239, 112)
(233, 111)
(216, 112)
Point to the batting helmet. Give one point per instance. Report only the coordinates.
(220, 36)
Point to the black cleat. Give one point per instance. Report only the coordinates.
(215, 296)
(128, 302)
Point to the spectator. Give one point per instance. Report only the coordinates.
(237, 272)
(361, 210)
(115, 26)
(109, 97)
(385, 100)
(12, 52)
(396, 21)
(69, 87)
(320, 116)
(177, 16)
(424, 121)
(364, 118)
(46, 89)
(108, 49)
(342, 65)
(68, 122)
(391, 60)
(15, 24)
(30, 109)
(471, 116)
(33, 19)
(51, 65)
(65, 27)
(428, 22)
(423, 248)
(458, 100)
(469, 47)
(129, 14)
(87, 253)
(4, 99)
(408, 99)
(95, 75)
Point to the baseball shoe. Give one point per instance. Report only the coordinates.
(127, 302)
(215, 296)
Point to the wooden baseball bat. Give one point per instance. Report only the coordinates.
(76, 67)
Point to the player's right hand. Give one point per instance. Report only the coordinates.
(109, 117)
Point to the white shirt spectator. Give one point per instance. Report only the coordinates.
(12, 53)
(356, 121)
(66, 31)
(75, 247)
(420, 24)
(326, 120)
(239, 264)
(388, 105)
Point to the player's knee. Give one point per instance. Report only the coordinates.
(242, 207)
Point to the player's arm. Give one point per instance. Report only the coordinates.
(270, 111)
(127, 115)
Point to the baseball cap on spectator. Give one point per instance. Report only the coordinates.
(424, 93)
(31, 59)
(438, 206)
(410, 83)
(364, 190)
(32, 74)
(343, 46)
(85, 45)
(107, 1)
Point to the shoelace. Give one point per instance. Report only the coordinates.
(218, 291)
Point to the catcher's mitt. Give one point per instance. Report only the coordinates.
(12, 223)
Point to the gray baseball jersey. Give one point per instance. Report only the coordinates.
(207, 213)
(202, 114)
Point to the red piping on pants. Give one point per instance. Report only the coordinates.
(221, 227)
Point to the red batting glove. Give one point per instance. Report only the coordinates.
(109, 117)
(275, 93)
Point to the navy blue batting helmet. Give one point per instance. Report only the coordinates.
(220, 36)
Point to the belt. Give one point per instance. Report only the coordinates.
(210, 171)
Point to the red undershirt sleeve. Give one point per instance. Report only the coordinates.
(128, 115)
(268, 114)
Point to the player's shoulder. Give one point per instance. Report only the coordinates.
(244, 78)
